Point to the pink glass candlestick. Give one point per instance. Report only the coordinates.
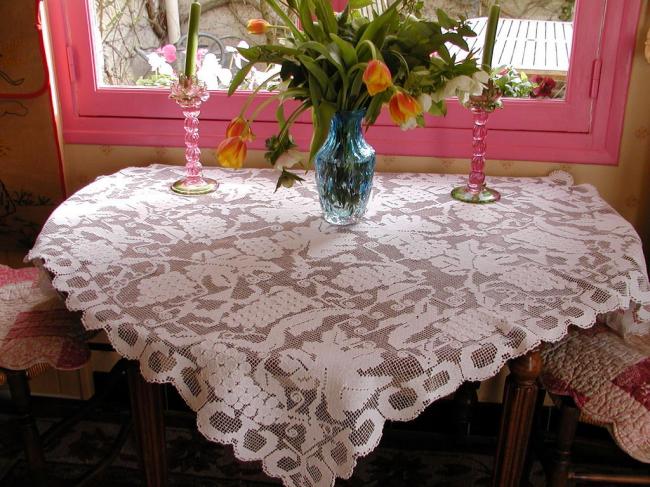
(189, 93)
(475, 191)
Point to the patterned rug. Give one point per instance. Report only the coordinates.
(195, 462)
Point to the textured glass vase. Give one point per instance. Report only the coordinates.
(345, 165)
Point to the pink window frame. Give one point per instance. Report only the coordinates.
(586, 127)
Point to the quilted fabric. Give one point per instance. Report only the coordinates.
(608, 377)
(35, 326)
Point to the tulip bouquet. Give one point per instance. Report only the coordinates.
(344, 62)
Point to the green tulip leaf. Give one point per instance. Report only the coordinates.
(356, 4)
(321, 119)
(325, 15)
(285, 18)
(238, 79)
(438, 109)
(315, 70)
(444, 20)
(347, 51)
(313, 31)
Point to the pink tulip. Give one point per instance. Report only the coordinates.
(168, 51)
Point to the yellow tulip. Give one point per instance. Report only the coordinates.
(257, 26)
(231, 152)
(238, 127)
(377, 77)
(404, 109)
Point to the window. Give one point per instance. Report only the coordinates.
(105, 102)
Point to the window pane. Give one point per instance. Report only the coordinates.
(533, 45)
(137, 42)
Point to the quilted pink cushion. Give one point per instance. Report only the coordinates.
(608, 377)
(35, 327)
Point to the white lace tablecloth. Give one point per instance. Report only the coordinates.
(295, 340)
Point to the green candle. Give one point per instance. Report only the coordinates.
(490, 36)
(192, 40)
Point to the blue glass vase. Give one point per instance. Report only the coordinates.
(345, 165)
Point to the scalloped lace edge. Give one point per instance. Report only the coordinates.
(487, 372)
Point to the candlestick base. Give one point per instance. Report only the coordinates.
(193, 186)
(485, 195)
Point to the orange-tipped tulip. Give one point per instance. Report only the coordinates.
(238, 127)
(231, 152)
(404, 109)
(257, 26)
(377, 77)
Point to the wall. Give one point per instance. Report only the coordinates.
(29, 163)
(28, 152)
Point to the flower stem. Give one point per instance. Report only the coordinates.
(248, 102)
(263, 105)
(285, 18)
(360, 101)
(292, 118)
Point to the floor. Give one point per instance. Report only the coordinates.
(405, 458)
(426, 452)
(193, 462)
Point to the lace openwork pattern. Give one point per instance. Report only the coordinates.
(294, 340)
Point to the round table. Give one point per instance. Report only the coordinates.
(295, 340)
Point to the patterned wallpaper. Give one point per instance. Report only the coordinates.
(29, 166)
(30, 186)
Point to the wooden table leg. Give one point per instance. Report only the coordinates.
(561, 457)
(465, 400)
(148, 422)
(516, 419)
(21, 398)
